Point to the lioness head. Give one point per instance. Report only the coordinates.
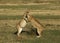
(27, 16)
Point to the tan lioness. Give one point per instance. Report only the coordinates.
(36, 24)
(21, 24)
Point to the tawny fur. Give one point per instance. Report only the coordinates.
(35, 23)
(21, 24)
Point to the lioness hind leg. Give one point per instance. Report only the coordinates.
(19, 32)
(39, 31)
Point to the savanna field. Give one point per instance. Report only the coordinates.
(47, 12)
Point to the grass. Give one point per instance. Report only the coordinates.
(48, 36)
(7, 17)
(33, 7)
(48, 16)
(51, 34)
(14, 17)
(30, 1)
(7, 34)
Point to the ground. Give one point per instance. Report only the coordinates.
(47, 12)
(7, 29)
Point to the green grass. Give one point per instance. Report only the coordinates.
(48, 16)
(9, 17)
(7, 32)
(33, 7)
(14, 17)
(48, 36)
(30, 1)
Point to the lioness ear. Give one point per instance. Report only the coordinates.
(27, 10)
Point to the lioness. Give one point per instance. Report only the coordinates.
(35, 23)
(21, 24)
